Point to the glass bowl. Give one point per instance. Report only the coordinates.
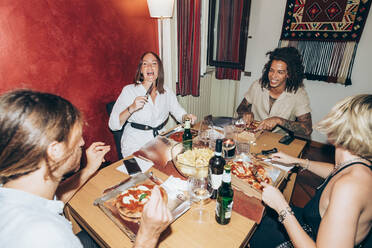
(191, 163)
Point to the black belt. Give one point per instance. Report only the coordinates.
(155, 130)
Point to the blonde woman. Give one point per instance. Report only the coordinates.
(340, 213)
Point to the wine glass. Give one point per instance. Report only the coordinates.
(203, 132)
(239, 125)
(200, 194)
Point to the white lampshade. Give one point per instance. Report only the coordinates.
(160, 8)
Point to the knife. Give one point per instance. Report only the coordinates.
(149, 90)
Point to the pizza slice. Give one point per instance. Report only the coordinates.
(239, 169)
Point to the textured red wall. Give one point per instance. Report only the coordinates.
(85, 51)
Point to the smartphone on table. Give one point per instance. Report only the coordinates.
(132, 166)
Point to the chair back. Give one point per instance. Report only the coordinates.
(117, 134)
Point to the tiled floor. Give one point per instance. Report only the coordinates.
(306, 181)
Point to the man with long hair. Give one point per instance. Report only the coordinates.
(279, 97)
(41, 141)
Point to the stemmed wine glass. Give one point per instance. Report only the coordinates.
(204, 132)
(200, 193)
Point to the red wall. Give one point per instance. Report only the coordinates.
(84, 50)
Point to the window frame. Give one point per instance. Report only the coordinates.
(244, 26)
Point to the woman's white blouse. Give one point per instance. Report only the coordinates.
(152, 114)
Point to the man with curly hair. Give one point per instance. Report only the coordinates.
(279, 97)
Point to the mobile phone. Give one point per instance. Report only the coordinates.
(286, 139)
(132, 166)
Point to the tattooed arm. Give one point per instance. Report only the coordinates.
(244, 111)
(302, 125)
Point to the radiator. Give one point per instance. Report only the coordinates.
(217, 97)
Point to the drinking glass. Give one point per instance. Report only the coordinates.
(239, 125)
(243, 149)
(200, 193)
(204, 132)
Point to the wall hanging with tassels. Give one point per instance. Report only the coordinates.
(327, 33)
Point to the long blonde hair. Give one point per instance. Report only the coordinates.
(349, 125)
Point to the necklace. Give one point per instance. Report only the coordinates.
(338, 167)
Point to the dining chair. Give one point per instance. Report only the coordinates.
(117, 134)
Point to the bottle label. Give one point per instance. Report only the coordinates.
(187, 144)
(226, 177)
(216, 181)
(218, 207)
(187, 124)
(228, 211)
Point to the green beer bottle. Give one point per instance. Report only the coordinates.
(224, 198)
(187, 136)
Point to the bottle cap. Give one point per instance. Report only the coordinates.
(227, 167)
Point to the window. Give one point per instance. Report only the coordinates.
(227, 33)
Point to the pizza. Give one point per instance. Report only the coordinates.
(251, 173)
(177, 136)
(130, 202)
(253, 126)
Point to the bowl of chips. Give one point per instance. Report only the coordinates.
(191, 163)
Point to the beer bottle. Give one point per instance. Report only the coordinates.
(225, 195)
(187, 136)
(215, 171)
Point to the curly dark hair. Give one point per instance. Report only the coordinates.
(295, 68)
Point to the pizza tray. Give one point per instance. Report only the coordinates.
(277, 176)
(176, 129)
(178, 205)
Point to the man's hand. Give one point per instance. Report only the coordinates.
(191, 117)
(155, 218)
(95, 156)
(270, 123)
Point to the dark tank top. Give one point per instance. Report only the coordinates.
(311, 215)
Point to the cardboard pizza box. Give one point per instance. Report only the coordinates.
(277, 176)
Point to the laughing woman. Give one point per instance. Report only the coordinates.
(145, 105)
(340, 213)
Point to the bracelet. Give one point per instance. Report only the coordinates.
(307, 164)
(284, 213)
(129, 111)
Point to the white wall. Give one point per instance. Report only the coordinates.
(265, 28)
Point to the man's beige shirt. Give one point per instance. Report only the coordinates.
(287, 106)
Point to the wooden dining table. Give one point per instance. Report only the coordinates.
(185, 231)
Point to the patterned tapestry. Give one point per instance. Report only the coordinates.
(327, 33)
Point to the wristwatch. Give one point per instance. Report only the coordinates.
(284, 213)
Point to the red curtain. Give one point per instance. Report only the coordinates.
(229, 37)
(188, 23)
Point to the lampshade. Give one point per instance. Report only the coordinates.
(160, 8)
